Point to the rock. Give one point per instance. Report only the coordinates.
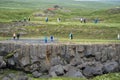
(89, 51)
(73, 72)
(104, 57)
(97, 70)
(23, 78)
(36, 74)
(11, 62)
(80, 49)
(11, 75)
(111, 67)
(92, 69)
(25, 61)
(67, 67)
(112, 53)
(44, 67)
(55, 61)
(58, 69)
(98, 56)
(6, 78)
(34, 67)
(76, 61)
(53, 74)
(3, 51)
(2, 62)
(88, 71)
(1, 71)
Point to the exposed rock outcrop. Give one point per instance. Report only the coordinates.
(51, 60)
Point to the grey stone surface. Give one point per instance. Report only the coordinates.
(73, 72)
(58, 69)
(6, 78)
(11, 61)
(98, 56)
(11, 75)
(52, 74)
(36, 74)
(2, 62)
(112, 66)
(58, 59)
(23, 78)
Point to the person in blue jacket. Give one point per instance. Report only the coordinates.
(46, 19)
(71, 36)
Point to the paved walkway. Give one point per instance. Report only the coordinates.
(30, 41)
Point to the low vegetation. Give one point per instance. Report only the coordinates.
(110, 76)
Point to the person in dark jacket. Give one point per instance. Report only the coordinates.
(18, 36)
(71, 36)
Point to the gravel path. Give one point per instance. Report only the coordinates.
(30, 41)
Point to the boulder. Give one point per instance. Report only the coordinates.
(112, 66)
(25, 61)
(36, 74)
(88, 71)
(6, 78)
(104, 56)
(2, 62)
(44, 67)
(73, 72)
(76, 61)
(23, 78)
(89, 52)
(80, 49)
(53, 74)
(97, 70)
(98, 56)
(93, 70)
(11, 75)
(58, 69)
(11, 61)
(55, 61)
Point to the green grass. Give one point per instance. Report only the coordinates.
(110, 76)
(9, 15)
(100, 31)
(80, 31)
(106, 30)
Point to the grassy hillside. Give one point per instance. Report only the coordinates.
(68, 3)
(8, 15)
(70, 14)
(11, 10)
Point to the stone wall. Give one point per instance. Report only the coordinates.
(51, 60)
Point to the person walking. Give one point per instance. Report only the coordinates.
(58, 19)
(46, 19)
(84, 20)
(81, 20)
(96, 20)
(14, 36)
(118, 36)
(51, 38)
(18, 36)
(45, 39)
(71, 36)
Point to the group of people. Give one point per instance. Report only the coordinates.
(46, 19)
(16, 36)
(46, 39)
(83, 20)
